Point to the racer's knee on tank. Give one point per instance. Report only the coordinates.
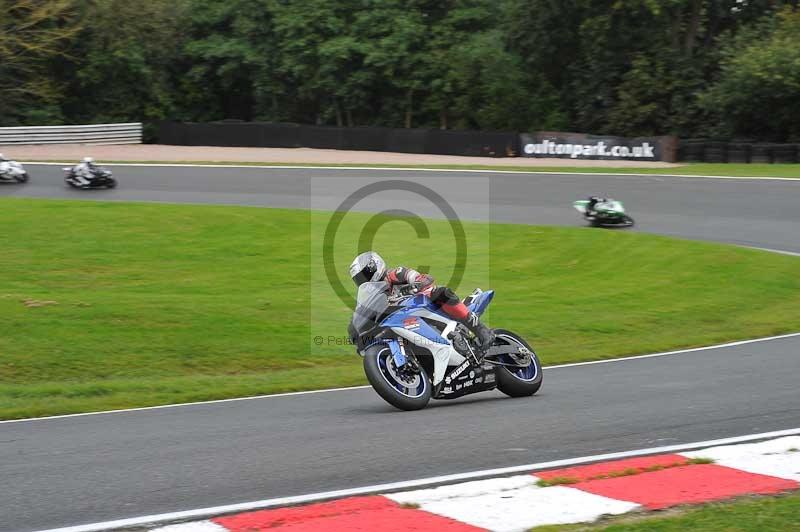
(445, 298)
(442, 295)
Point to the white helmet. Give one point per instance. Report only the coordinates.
(88, 160)
(1, 156)
(367, 267)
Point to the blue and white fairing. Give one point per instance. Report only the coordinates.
(478, 301)
(411, 323)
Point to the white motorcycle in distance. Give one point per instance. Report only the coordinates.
(100, 178)
(12, 172)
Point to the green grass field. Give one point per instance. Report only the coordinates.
(757, 514)
(704, 169)
(113, 305)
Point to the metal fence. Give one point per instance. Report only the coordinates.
(93, 134)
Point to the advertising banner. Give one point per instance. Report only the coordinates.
(548, 144)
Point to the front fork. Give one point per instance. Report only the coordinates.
(398, 352)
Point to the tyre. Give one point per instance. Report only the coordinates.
(23, 178)
(400, 387)
(784, 153)
(761, 153)
(693, 150)
(624, 221)
(738, 152)
(518, 382)
(714, 155)
(112, 183)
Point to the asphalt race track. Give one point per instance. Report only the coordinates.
(750, 212)
(77, 470)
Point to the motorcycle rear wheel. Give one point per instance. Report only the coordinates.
(518, 382)
(404, 391)
(624, 221)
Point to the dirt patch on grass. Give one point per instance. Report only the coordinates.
(33, 303)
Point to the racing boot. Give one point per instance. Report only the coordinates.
(483, 333)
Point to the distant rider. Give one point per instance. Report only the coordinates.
(370, 267)
(593, 201)
(84, 173)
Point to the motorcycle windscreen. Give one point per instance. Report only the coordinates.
(580, 206)
(371, 302)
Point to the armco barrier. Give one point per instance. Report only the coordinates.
(91, 134)
(280, 135)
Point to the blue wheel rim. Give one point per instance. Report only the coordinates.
(528, 373)
(388, 372)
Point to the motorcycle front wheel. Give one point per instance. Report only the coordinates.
(517, 381)
(403, 388)
(112, 183)
(22, 178)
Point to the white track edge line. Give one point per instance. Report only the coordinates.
(175, 405)
(779, 251)
(401, 169)
(351, 388)
(677, 352)
(395, 486)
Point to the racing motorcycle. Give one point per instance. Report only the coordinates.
(100, 179)
(12, 172)
(607, 213)
(414, 352)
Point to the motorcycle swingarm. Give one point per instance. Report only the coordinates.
(515, 352)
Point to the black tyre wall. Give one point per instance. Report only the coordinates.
(389, 394)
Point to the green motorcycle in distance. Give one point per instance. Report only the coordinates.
(606, 213)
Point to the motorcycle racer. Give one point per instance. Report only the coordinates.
(84, 172)
(593, 200)
(370, 267)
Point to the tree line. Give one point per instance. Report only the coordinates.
(712, 68)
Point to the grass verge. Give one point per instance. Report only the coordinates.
(752, 514)
(688, 169)
(114, 305)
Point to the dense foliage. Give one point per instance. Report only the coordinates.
(631, 67)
